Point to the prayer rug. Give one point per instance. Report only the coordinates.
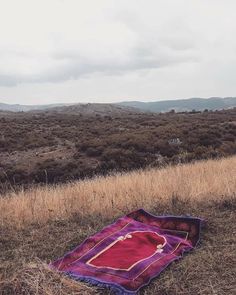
(126, 255)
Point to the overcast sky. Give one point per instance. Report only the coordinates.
(113, 50)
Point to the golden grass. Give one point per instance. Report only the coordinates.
(39, 225)
(38, 278)
(207, 180)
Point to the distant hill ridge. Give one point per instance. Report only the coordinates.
(179, 105)
(27, 108)
(87, 109)
(91, 109)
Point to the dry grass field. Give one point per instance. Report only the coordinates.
(39, 225)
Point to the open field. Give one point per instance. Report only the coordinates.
(41, 224)
(50, 147)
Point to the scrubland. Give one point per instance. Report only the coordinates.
(49, 148)
(41, 224)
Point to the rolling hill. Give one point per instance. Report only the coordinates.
(87, 109)
(91, 109)
(179, 105)
(184, 105)
(26, 108)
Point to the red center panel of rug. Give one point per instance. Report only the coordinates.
(128, 250)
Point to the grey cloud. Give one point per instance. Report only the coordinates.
(153, 46)
(141, 57)
(9, 80)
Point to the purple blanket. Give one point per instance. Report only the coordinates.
(126, 255)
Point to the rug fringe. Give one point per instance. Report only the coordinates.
(117, 290)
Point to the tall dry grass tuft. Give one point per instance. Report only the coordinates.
(208, 180)
(38, 278)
